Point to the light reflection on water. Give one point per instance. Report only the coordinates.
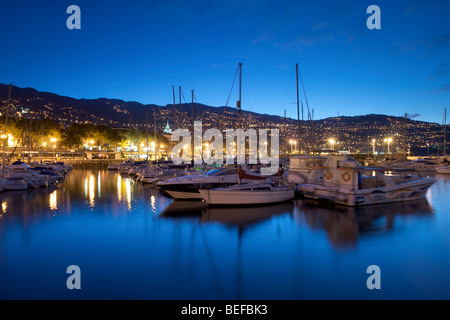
(132, 242)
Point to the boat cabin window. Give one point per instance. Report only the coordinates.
(370, 181)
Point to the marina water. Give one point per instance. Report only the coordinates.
(131, 242)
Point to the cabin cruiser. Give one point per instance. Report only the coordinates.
(21, 170)
(424, 164)
(154, 176)
(343, 180)
(187, 187)
(443, 170)
(136, 168)
(15, 184)
(301, 168)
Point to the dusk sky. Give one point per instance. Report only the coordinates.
(136, 50)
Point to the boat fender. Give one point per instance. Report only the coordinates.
(346, 176)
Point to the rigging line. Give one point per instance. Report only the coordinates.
(228, 99)
(186, 108)
(312, 139)
(288, 88)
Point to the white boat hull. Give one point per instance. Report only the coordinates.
(184, 195)
(443, 170)
(243, 197)
(412, 191)
(15, 186)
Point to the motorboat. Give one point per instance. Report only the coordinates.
(424, 164)
(343, 180)
(443, 170)
(21, 170)
(247, 194)
(15, 184)
(137, 167)
(187, 187)
(301, 168)
(121, 167)
(153, 177)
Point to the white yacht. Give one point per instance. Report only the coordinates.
(343, 180)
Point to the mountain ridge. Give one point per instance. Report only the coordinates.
(116, 112)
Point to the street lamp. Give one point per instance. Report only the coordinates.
(332, 142)
(388, 140)
(373, 146)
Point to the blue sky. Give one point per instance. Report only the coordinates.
(136, 50)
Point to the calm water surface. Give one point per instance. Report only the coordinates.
(131, 242)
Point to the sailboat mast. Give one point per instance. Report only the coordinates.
(174, 109)
(193, 129)
(6, 125)
(179, 109)
(42, 138)
(445, 129)
(154, 128)
(239, 102)
(131, 149)
(146, 128)
(405, 153)
(298, 108)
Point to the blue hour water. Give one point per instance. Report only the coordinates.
(131, 242)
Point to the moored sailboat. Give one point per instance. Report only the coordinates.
(257, 192)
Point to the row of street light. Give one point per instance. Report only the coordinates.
(332, 142)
